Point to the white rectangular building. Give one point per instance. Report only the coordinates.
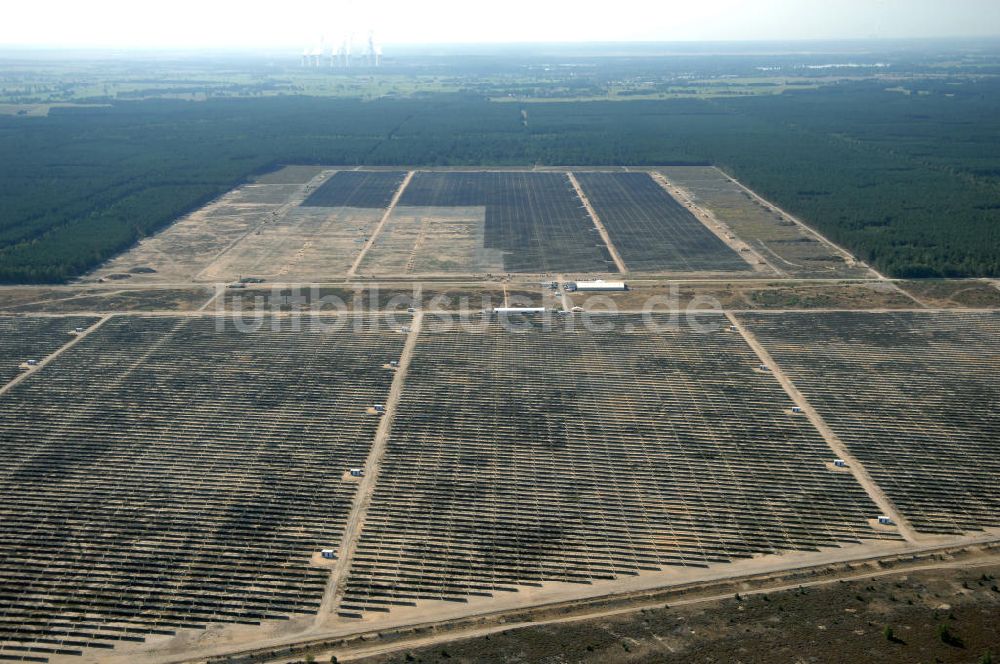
(598, 285)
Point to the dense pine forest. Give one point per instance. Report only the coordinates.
(909, 179)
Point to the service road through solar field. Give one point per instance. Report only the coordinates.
(651, 229)
(535, 219)
(916, 397)
(605, 454)
(162, 474)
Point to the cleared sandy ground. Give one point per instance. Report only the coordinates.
(424, 241)
(306, 244)
(194, 243)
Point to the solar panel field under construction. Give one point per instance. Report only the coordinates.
(345, 406)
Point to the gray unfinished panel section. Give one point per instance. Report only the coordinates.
(914, 395)
(540, 455)
(164, 474)
(535, 219)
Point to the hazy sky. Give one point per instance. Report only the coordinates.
(253, 23)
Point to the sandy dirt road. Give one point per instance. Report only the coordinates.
(753, 257)
(615, 256)
(386, 648)
(378, 229)
(363, 496)
(77, 338)
(836, 445)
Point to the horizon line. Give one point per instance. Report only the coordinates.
(488, 44)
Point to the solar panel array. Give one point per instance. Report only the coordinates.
(360, 189)
(916, 398)
(166, 474)
(33, 338)
(651, 230)
(518, 458)
(535, 218)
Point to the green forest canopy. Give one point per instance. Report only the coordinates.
(910, 183)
